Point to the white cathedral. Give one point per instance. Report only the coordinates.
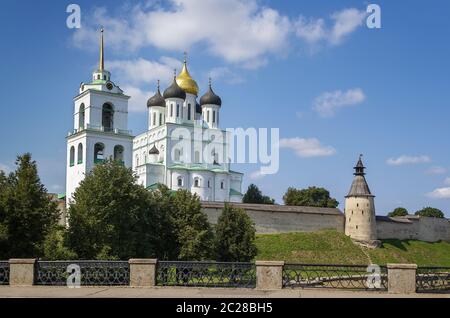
(183, 148)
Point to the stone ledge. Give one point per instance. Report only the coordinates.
(143, 261)
(22, 261)
(402, 266)
(269, 263)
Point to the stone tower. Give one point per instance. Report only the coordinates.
(360, 222)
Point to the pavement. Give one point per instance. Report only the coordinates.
(191, 292)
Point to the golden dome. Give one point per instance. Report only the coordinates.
(186, 82)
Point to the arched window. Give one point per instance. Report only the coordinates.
(154, 118)
(180, 181)
(171, 110)
(99, 149)
(217, 118)
(72, 156)
(196, 182)
(189, 111)
(107, 117)
(178, 110)
(160, 119)
(118, 153)
(207, 115)
(81, 117)
(222, 185)
(214, 116)
(80, 153)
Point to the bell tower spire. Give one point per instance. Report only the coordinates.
(101, 66)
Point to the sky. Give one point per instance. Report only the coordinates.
(334, 87)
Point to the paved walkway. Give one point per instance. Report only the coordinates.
(186, 292)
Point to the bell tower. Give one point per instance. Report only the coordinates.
(360, 222)
(100, 127)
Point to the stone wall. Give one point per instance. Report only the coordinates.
(281, 218)
(413, 228)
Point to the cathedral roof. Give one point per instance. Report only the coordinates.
(186, 82)
(156, 100)
(359, 185)
(154, 151)
(210, 97)
(174, 91)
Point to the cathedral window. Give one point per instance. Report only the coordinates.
(196, 182)
(180, 181)
(177, 155)
(209, 183)
(154, 119)
(81, 117)
(222, 185)
(171, 110)
(214, 116)
(107, 117)
(118, 153)
(160, 119)
(80, 153)
(217, 118)
(178, 110)
(99, 153)
(207, 115)
(189, 111)
(72, 156)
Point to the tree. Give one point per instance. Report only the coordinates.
(312, 196)
(112, 217)
(234, 236)
(430, 212)
(398, 212)
(55, 245)
(27, 213)
(254, 195)
(192, 231)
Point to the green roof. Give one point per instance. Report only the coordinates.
(234, 192)
(197, 168)
(61, 196)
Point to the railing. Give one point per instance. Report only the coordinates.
(101, 128)
(355, 277)
(429, 279)
(4, 273)
(98, 273)
(206, 274)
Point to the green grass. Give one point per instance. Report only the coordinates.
(332, 247)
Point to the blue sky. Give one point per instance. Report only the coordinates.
(311, 68)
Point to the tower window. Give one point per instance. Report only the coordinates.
(357, 227)
(154, 119)
(178, 110)
(107, 117)
(189, 111)
(180, 181)
(171, 110)
(118, 153)
(217, 118)
(80, 153)
(81, 117)
(207, 115)
(196, 183)
(72, 156)
(214, 116)
(362, 212)
(221, 185)
(99, 152)
(357, 204)
(160, 119)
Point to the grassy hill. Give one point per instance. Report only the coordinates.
(332, 247)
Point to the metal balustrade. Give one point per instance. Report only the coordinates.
(93, 273)
(433, 279)
(357, 277)
(4, 273)
(206, 274)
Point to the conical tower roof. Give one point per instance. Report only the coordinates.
(359, 185)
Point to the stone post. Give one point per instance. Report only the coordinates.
(269, 274)
(142, 272)
(21, 271)
(402, 278)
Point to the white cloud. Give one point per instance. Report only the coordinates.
(316, 31)
(436, 170)
(447, 181)
(403, 160)
(440, 193)
(237, 31)
(225, 74)
(329, 102)
(307, 147)
(5, 168)
(257, 175)
(138, 101)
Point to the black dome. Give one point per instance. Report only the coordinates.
(210, 98)
(156, 100)
(154, 151)
(174, 91)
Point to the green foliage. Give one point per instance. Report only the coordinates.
(113, 217)
(312, 196)
(235, 236)
(192, 232)
(55, 245)
(27, 213)
(431, 212)
(254, 195)
(398, 212)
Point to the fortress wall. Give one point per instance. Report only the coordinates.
(413, 227)
(282, 219)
